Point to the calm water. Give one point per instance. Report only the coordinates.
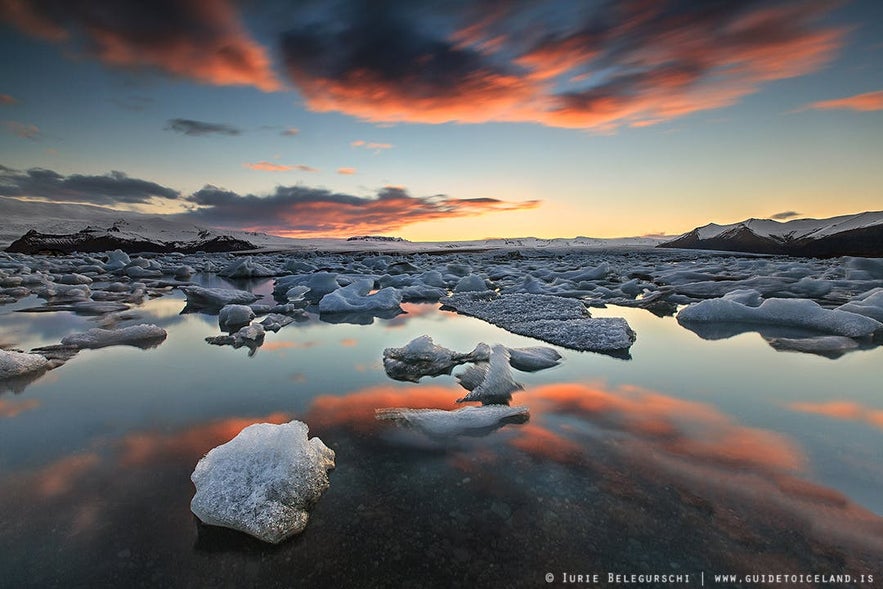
(694, 457)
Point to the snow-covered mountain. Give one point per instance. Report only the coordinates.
(854, 235)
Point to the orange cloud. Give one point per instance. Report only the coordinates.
(867, 102)
(202, 40)
(844, 410)
(634, 63)
(346, 171)
(265, 166)
(23, 130)
(373, 145)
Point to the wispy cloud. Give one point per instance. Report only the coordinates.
(289, 132)
(374, 146)
(112, 188)
(265, 166)
(785, 215)
(23, 130)
(200, 128)
(346, 171)
(301, 210)
(869, 101)
(202, 40)
(598, 66)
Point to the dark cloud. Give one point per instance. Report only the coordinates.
(199, 128)
(203, 40)
(301, 210)
(785, 215)
(110, 189)
(564, 64)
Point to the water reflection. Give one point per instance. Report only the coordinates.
(842, 410)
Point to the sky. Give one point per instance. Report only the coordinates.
(445, 120)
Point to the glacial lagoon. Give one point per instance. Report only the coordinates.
(691, 457)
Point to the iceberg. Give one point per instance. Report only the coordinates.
(797, 313)
(422, 357)
(232, 317)
(216, 298)
(498, 385)
(15, 364)
(354, 298)
(140, 336)
(263, 482)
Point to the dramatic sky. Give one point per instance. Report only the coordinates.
(453, 119)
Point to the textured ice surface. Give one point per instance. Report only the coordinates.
(142, 336)
(246, 268)
(869, 304)
(559, 321)
(232, 317)
(274, 321)
(215, 298)
(498, 385)
(263, 482)
(13, 364)
(471, 283)
(354, 298)
(468, 421)
(799, 313)
(422, 357)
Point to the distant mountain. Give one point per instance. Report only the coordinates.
(96, 239)
(847, 235)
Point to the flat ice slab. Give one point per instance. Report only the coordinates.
(468, 421)
(215, 298)
(263, 482)
(559, 321)
(141, 336)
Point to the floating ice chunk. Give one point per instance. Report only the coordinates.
(534, 358)
(215, 298)
(422, 292)
(184, 272)
(250, 336)
(246, 268)
(139, 272)
(296, 294)
(64, 292)
(74, 278)
(422, 357)
(274, 322)
(354, 298)
(141, 336)
(319, 284)
(116, 260)
(15, 364)
(471, 283)
(232, 317)
(745, 296)
(559, 321)
(263, 482)
(863, 268)
(498, 384)
(831, 346)
(473, 375)
(869, 304)
(468, 421)
(799, 313)
(98, 307)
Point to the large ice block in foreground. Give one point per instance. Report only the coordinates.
(263, 482)
(141, 336)
(468, 421)
(559, 321)
(13, 364)
(799, 313)
(215, 298)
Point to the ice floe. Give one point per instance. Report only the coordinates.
(559, 321)
(263, 482)
(232, 317)
(422, 357)
(246, 268)
(216, 298)
(141, 336)
(497, 385)
(467, 421)
(796, 313)
(14, 364)
(355, 298)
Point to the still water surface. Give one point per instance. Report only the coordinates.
(693, 457)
